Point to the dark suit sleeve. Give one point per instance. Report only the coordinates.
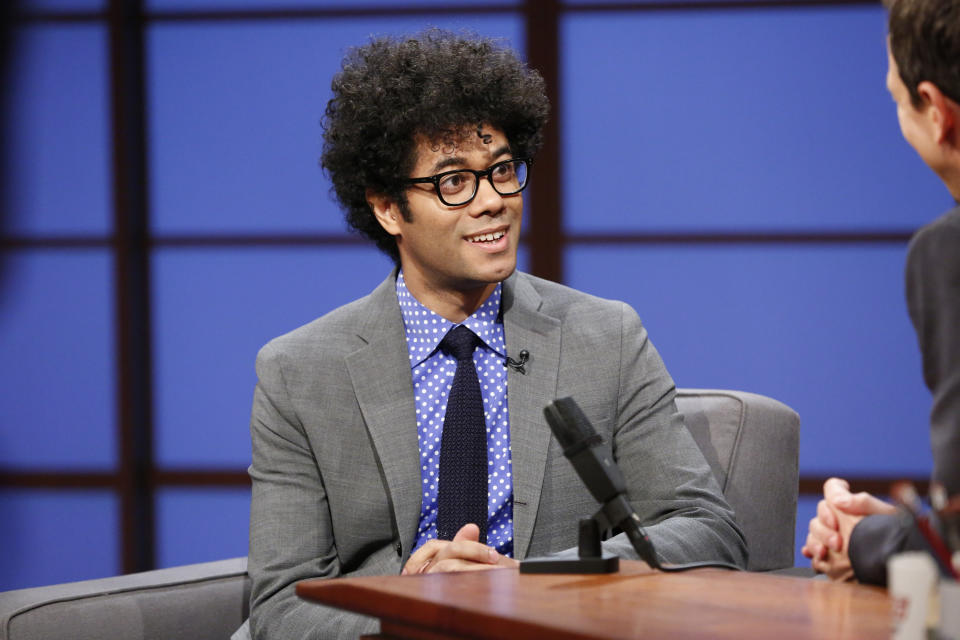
(933, 298)
(875, 539)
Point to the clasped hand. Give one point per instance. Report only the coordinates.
(838, 513)
(464, 553)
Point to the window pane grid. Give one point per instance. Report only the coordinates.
(69, 235)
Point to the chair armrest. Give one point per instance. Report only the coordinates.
(752, 444)
(197, 601)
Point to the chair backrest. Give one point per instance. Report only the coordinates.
(752, 443)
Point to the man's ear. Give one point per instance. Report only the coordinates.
(942, 112)
(386, 211)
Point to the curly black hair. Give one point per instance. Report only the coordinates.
(435, 84)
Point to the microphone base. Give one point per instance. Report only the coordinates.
(604, 564)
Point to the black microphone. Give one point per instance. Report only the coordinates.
(593, 461)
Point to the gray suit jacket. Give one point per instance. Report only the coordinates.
(336, 482)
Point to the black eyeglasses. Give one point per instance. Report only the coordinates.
(458, 187)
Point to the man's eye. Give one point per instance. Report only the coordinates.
(453, 183)
(503, 172)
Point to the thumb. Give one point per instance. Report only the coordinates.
(835, 488)
(863, 504)
(468, 532)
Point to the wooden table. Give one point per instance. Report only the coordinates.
(634, 603)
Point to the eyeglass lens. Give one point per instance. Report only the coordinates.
(459, 187)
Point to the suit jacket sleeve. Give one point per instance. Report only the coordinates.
(933, 298)
(291, 537)
(668, 480)
(875, 539)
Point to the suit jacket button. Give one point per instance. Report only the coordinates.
(399, 548)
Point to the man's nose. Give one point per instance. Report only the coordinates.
(487, 201)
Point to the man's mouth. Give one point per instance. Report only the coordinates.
(487, 237)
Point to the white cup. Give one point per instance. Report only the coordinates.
(911, 577)
(949, 610)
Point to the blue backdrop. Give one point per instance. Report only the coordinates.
(759, 120)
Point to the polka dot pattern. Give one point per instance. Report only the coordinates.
(433, 373)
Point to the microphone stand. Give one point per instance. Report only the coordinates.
(591, 558)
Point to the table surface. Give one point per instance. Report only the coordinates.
(636, 602)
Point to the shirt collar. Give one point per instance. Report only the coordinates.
(425, 329)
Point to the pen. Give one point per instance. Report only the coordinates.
(948, 512)
(906, 496)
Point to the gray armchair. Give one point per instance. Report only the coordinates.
(750, 441)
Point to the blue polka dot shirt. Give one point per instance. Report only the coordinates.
(433, 373)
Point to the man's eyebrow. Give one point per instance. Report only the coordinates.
(458, 160)
(448, 162)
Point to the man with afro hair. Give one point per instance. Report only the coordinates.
(429, 142)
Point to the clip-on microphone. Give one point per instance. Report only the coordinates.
(518, 365)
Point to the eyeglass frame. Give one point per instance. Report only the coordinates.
(487, 173)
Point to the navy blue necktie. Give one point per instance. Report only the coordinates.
(462, 482)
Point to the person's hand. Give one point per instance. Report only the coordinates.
(463, 553)
(829, 532)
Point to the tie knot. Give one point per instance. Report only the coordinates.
(460, 342)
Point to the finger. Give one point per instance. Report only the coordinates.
(835, 488)
(829, 540)
(829, 567)
(819, 565)
(837, 568)
(826, 516)
(423, 556)
(464, 544)
(811, 546)
(823, 565)
(450, 565)
(459, 564)
(468, 550)
(825, 536)
(469, 532)
(815, 548)
(811, 551)
(863, 504)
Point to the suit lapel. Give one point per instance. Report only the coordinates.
(380, 373)
(527, 328)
